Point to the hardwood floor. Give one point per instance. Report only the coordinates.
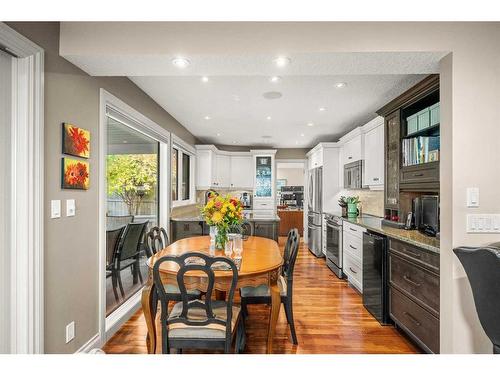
(329, 318)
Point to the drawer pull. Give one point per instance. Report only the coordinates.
(350, 157)
(413, 254)
(418, 174)
(410, 281)
(375, 178)
(352, 247)
(354, 230)
(412, 318)
(352, 270)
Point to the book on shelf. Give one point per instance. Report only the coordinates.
(420, 150)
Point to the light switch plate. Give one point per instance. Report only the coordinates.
(55, 209)
(483, 223)
(473, 197)
(70, 207)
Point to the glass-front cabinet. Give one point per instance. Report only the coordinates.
(264, 181)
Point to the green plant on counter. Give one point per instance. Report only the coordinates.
(343, 201)
(352, 200)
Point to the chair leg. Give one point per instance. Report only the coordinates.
(289, 318)
(139, 272)
(496, 349)
(165, 349)
(244, 310)
(119, 277)
(114, 284)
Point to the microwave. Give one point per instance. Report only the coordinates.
(426, 211)
(353, 177)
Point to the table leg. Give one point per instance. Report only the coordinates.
(275, 311)
(149, 315)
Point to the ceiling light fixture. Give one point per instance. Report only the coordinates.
(322, 109)
(275, 79)
(310, 124)
(208, 118)
(236, 98)
(204, 79)
(282, 61)
(181, 62)
(268, 118)
(340, 85)
(218, 134)
(302, 134)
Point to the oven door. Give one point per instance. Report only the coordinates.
(334, 243)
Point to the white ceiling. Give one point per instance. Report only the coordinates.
(244, 122)
(238, 59)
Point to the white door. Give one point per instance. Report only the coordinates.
(5, 174)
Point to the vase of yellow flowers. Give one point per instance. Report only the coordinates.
(224, 213)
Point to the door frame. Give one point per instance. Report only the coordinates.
(109, 325)
(27, 207)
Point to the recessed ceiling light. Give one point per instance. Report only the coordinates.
(282, 61)
(322, 109)
(310, 124)
(218, 134)
(268, 118)
(208, 118)
(302, 134)
(236, 98)
(181, 62)
(204, 79)
(125, 141)
(340, 85)
(275, 79)
(234, 142)
(272, 95)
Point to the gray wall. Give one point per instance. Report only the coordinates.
(71, 244)
(281, 153)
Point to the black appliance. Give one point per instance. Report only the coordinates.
(426, 211)
(376, 276)
(334, 244)
(292, 196)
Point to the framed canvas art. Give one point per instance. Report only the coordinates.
(75, 174)
(75, 140)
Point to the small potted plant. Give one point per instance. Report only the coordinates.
(343, 205)
(352, 206)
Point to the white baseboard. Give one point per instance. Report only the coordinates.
(93, 343)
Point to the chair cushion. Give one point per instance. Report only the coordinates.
(174, 289)
(210, 331)
(263, 290)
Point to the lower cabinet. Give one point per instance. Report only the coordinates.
(185, 229)
(353, 254)
(267, 229)
(414, 293)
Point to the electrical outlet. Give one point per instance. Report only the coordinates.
(70, 332)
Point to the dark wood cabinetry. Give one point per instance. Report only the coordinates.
(267, 229)
(289, 220)
(185, 229)
(414, 293)
(392, 144)
(423, 177)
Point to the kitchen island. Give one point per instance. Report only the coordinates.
(291, 218)
(191, 225)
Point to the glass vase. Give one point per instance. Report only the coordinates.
(220, 238)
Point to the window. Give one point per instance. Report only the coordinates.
(182, 179)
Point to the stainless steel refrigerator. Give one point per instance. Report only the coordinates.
(314, 211)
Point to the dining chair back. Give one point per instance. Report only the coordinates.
(246, 230)
(482, 266)
(156, 239)
(195, 313)
(290, 254)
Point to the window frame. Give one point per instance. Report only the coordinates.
(183, 148)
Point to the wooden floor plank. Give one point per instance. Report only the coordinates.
(329, 317)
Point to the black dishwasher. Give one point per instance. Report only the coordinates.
(376, 276)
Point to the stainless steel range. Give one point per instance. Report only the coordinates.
(333, 234)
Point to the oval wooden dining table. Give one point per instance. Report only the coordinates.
(261, 260)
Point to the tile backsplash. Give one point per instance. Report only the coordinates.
(372, 201)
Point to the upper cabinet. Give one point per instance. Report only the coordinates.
(315, 160)
(205, 168)
(352, 149)
(241, 165)
(374, 154)
(223, 171)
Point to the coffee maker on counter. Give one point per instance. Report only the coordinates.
(246, 200)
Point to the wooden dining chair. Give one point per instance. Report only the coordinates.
(113, 238)
(482, 266)
(199, 324)
(156, 239)
(262, 295)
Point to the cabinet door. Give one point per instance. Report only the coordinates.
(241, 172)
(223, 168)
(392, 140)
(264, 177)
(374, 157)
(205, 169)
(264, 229)
(352, 150)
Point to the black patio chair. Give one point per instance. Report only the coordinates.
(113, 238)
(115, 222)
(129, 252)
(262, 295)
(199, 324)
(482, 266)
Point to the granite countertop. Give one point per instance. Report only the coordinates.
(250, 216)
(414, 237)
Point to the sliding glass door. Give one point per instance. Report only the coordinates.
(133, 199)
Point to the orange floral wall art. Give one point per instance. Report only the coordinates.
(76, 141)
(75, 174)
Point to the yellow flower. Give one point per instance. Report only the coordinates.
(210, 204)
(217, 217)
(224, 210)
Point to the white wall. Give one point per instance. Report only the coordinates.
(294, 176)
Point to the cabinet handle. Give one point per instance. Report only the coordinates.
(352, 247)
(415, 255)
(412, 318)
(418, 174)
(352, 270)
(375, 178)
(350, 157)
(410, 281)
(354, 230)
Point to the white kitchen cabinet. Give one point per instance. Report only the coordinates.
(352, 249)
(264, 177)
(352, 150)
(205, 169)
(241, 172)
(315, 160)
(223, 171)
(374, 157)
